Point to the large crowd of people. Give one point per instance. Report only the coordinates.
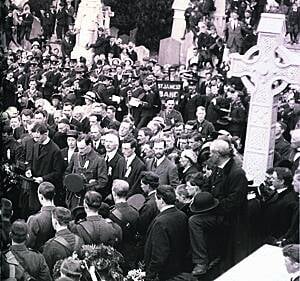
(98, 155)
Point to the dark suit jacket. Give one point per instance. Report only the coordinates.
(230, 187)
(147, 213)
(47, 164)
(278, 215)
(167, 171)
(191, 170)
(167, 244)
(116, 170)
(133, 178)
(40, 228)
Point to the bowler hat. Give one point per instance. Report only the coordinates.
(136, 201)
(74, 182)
(203, 202)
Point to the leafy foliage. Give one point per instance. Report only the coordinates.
(152, 17)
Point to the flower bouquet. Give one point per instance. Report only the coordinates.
(103, 262)
(135, 275)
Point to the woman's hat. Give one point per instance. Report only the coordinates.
(203, 202)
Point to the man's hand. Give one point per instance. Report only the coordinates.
(38, 180)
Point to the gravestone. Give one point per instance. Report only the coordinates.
(125, 38)
(114, 31)
(266, 263)
(132, 35)
(185, 46)
(178, 27)
(259, 68)
(142, 52)
(169, 51)
(89, 18)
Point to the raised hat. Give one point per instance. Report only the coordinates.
(35, 43)
(74, 182)
(203, 202)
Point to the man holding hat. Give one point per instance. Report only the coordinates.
(25, 263)
(203, 228)
(65, 242)
(95, 229)
(89, 164)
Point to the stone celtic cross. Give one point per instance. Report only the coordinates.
(265, 70)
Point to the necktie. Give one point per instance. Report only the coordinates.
(155, 163)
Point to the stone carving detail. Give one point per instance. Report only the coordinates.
(264, 64)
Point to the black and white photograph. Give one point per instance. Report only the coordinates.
(150, 140)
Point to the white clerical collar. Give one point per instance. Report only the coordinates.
(110, 155)
(223, 164)
(160, 160)
(151, 192)
(281, 190)
(130, 159)
(166, 208)
(46, 141)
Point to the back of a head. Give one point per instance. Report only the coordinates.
(284, 174)
(150, 178)
(71, 268)
(47, 189)
(62, 215)
(19, 231)
(223, 147)
(292, 251)
(93, 200)
(120, 188)
(166, 193)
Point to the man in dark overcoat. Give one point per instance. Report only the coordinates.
(228, 184)
(167, 238)
(44, 164)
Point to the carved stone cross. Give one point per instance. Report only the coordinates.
(265, 70)
(107, 14)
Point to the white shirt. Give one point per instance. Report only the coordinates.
(281, 190)
(110, 155)
(129, 160)
(160, 160)
(166, 207)
(46, 141)
(223, 165)
(96, 143)
(70, 153)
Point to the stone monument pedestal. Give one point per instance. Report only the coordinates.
(89, 19)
